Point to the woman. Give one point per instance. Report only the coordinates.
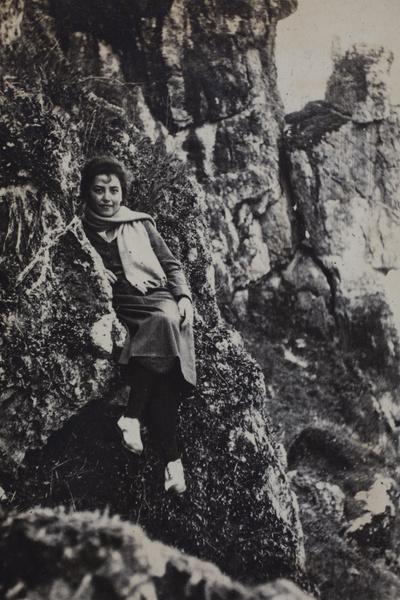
(152, 299)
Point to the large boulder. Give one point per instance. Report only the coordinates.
(53, 554)
(60, 337)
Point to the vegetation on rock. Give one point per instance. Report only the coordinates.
(240, 512)
(90, 556)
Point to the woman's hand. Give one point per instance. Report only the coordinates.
(112, 278)
(185, 308)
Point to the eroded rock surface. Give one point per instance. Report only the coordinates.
(59, 333)
(202, 76)
(344, 167)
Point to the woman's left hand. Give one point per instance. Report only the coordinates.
(186, 311)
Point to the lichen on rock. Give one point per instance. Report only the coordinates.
(84, 555)
(58, 375)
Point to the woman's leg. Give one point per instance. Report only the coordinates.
(142, 383)
(161, 412)
(163, 418)
(154, 399)
(163, 408)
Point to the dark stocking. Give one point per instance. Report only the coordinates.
(154, 398)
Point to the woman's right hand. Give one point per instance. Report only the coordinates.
(112, 278)
(185, 308)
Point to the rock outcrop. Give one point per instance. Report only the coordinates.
(343, 163)
(202, 76)
(90, 555)
(304, 237)
(210, 93)
(59, 333)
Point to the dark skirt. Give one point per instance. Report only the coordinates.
(154, 330)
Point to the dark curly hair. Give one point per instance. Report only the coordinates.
(103, 165)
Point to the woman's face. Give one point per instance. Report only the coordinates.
(105, 195)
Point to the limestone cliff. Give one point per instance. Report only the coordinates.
(344, 169)
(59, 334)
(202, 75)
(327, 328)
(299, 232)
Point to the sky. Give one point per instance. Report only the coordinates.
(304, 41)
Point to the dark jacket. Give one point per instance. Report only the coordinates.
(171, 266)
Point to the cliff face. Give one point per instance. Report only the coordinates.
(59, 335)
(330, 332)
(303, 233)
(344, 168)
(202, 75)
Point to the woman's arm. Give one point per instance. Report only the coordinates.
(171, 266)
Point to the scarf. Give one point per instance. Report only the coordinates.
(139, 262)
